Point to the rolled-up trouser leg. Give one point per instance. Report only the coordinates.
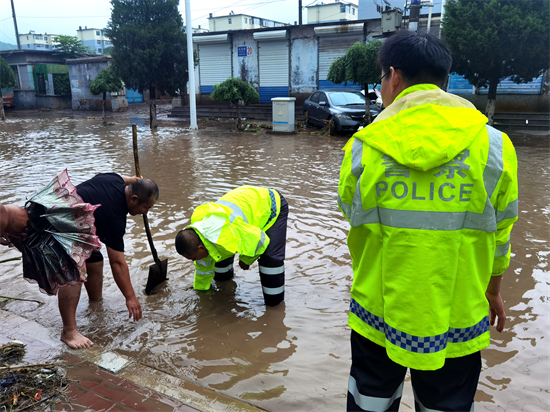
(272, 261)
(224, 269)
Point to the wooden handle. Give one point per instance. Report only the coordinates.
(136, 156)
(145, 220)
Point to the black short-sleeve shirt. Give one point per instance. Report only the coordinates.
(107, 189)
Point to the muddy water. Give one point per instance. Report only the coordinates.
(292, 357)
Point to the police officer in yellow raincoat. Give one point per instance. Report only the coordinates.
(430, 192)
(250, 221)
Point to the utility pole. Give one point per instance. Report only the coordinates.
(15, 25)
(191, 68)
(299, 12)
(414, 17)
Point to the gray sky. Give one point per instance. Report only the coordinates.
(64, 16)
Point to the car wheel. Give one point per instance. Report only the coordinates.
(306, 118)
(332, 127)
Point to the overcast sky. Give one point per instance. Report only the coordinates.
(64, 16)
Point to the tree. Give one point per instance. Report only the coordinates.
(149, 46)
(105, 82)
(495, 39)
(358, 65)
(235, 90)
(7, 80)
(71, 47)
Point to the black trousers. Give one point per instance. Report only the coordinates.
(271, 262)
(376, 382)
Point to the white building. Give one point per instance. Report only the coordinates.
(331, 12)
(95, 39)
(38, 41)
(240, 22)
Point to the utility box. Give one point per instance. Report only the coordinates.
(391, 20)
(283, 114)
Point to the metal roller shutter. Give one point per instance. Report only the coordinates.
(330, 49)
(274, 70)
(214, 65)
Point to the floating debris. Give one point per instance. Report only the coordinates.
(11, 352)
(31, 387)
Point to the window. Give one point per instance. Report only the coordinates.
(315, 97)
(342, 8)
(47, 46)
(27, 37)
(38, 37)
(99, 42)
(99, 50)
(39, 46)
(28, 46)
(353, 11)
(245, 20)
(97, 33)
(55, 39)
(229, 21)
(45, 38)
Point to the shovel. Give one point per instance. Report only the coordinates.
(157, 271)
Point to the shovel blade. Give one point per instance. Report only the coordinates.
(157, 275)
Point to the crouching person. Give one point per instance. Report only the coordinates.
(250, 221)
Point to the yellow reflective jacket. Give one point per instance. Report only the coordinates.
(236, 223)
(430, 192)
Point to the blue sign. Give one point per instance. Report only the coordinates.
(242, 51)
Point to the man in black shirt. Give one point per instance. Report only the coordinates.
(117, 196)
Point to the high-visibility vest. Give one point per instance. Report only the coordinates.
(430, 192)
(236, 223)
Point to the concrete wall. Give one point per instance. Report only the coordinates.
(246, 67)
(304, 49)
(28, 99)
(81, 74)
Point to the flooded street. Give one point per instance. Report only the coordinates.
(296, 356)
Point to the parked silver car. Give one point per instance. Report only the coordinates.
(342, 109)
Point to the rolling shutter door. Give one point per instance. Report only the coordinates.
(214, 65)
(274, 69)
(330, 49)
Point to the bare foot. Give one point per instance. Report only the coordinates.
(75, 340)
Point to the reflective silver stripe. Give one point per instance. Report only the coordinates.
(273, 291)
(346, 208)
(236, 210)
(502, 250)
(371, 403)
(424, 220)
(200, 272)
(510, 212)
(272, 271)
(356, 157)
(493, 170)
(223, 270)
(203, 262)
(260, 243)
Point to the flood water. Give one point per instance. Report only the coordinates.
(296, 356)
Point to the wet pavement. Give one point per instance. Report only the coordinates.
(292, 357)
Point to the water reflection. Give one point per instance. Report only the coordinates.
(291, 357)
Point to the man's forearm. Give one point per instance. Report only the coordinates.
(494, 285)
(121, 273)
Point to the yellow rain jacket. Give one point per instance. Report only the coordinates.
(236, 223)
(430, 192)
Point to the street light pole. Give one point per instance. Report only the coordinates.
(191, 67)
(15, 26)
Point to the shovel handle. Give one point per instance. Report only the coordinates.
(145, 220)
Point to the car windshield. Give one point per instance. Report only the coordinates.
(346, 98)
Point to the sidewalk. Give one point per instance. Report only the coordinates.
(107, 381)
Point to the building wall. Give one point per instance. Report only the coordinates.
(81, 75)
(246, 67)
(47, 71)
(330, 12)
(240, 22)
(304, 49)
